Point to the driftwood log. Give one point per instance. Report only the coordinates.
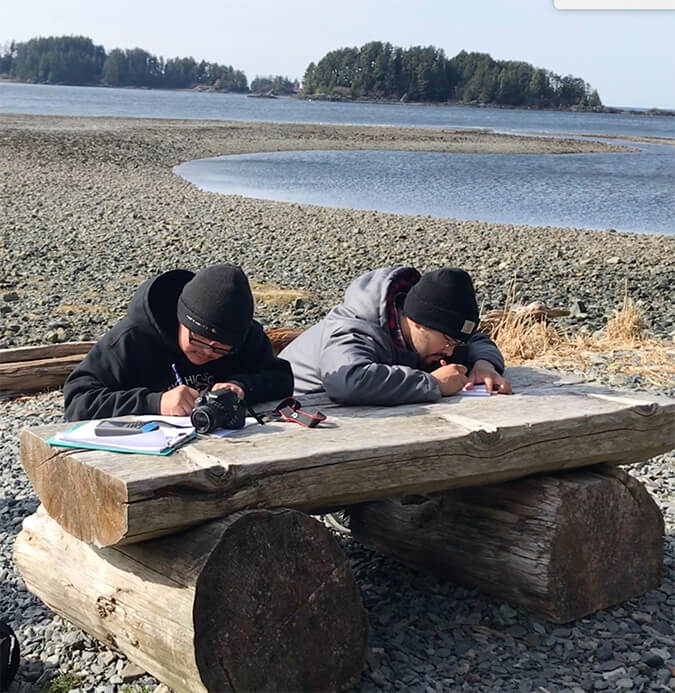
(561, 546)
(34, 369)
(47, 351)
(260, 601)
(359, 454)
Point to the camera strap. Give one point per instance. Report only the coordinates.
(260, 418)
(289, 409)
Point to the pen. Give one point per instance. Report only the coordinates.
(179, 380)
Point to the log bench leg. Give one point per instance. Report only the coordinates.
(263, 600)
(561, 546)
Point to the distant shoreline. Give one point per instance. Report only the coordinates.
(500, 107)
(651, 111)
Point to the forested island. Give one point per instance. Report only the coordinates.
(424, 74)
(376, 71)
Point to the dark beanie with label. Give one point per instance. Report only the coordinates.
(217, 303)
(444, 300)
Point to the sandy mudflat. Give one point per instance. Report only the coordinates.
(90, 207)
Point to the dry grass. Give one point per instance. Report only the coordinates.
(626, 324)
(273, 295)
(624, 346)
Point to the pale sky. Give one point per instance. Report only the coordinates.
(628, 56)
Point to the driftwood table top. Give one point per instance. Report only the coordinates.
(358, 454)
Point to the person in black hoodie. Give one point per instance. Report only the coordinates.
(183, 332)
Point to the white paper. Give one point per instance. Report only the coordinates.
(222, 432)
(178, 421)
(476, 391)
(184, 421)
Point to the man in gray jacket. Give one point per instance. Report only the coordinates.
(398, 337)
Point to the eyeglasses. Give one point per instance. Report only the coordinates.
(195, 341)
(450, 342)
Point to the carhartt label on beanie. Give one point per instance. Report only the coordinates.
(217, 304)
(444, 300)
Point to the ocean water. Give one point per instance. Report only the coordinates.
(157, 103)
(625, 191)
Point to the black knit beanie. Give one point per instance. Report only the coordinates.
(217, 304)
(444, 300)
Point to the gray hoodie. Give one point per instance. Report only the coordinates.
(351, 355)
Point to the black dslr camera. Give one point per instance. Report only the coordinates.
(219, 409)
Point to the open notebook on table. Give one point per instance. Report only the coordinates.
(167, 433)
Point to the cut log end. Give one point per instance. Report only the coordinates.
(262, 600)
(280, 584)
(607, 545)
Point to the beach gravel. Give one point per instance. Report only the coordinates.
(91, 207)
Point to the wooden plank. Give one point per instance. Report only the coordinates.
(360, 454)
(46, 351)
(35, 376)
(561, 546)
(262, 600)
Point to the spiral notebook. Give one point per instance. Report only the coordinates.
(163, 440)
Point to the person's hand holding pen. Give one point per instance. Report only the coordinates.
(179, 401)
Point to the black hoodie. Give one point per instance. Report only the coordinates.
(129, 369)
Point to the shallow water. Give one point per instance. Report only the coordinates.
(625, 191)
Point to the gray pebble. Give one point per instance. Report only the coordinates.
(654, 661)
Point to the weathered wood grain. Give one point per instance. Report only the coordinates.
(45, 351)
(38, 375)
(561, 546)
(260, 601)
(360, 454)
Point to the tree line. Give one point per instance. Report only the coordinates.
(376, 70)
(424, 73)
(76, 60)
(278, 85)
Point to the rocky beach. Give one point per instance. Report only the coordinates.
(90, 207)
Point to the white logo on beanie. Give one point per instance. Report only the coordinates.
(468, 326)
(196, 322)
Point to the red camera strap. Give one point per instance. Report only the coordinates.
(289, 410)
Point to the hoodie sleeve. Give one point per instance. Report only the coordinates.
(354, 371)
(480, 346)
(96, 388)
(264, 376)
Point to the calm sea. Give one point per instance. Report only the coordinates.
(632, 192)
(623, 191)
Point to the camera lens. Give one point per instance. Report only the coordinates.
(202, 421)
